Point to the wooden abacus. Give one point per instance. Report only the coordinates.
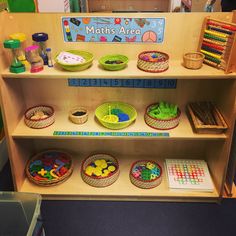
(218, 44)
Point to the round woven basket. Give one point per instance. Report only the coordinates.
(193, 60)
(151, 66)
(54, 181)
(78, 119)
(99, 181)
(161, 124)
(42, 122)
(102, 110)
(145, 184)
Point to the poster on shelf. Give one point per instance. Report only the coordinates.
(113, 29)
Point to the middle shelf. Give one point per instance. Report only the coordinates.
(63, 128)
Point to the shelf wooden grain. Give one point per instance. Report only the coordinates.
(62, 123)
(122, 189)
(176, 71)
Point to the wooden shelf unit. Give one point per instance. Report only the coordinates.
(20, 91)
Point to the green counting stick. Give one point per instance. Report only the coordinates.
(209, 36)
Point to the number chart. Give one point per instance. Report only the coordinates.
(189, 174)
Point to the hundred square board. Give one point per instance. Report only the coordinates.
(188, 174)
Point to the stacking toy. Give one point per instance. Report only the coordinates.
(16, 65)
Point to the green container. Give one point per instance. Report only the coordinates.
(103, 110)
(117, 57)
(77, 67)
(21, 6)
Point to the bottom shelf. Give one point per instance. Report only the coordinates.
(122, 189)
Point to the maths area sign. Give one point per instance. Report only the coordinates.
(110, 29)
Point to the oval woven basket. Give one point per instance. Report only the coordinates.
(42, 122)
(161, 124)
(48, 158)
(145, 184)
(78, 119)
(99, 181)
(102, 110)
(153, 66)
(193, 60)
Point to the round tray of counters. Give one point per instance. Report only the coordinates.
(100, 170)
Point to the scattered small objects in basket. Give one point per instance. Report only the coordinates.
(39, 117)
(163, 110)
(100, 170)
(78, 115)
(145, 174)
(206, 118)
(153, 61)
(115, 115)
(49, 168)
(162, 115)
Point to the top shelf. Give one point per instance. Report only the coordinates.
(175, 71)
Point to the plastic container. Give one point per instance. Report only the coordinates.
(114, 62)
(103, 110)
(40, 39)
(16, 65)
(80, 66)
(34, 59)
(20, 214)
(21, 51)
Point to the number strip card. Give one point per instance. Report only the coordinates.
(113, 134)
(125, 83)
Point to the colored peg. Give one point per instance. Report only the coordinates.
(221, 30)
(213, 46)
(224, 26)
(215, 42)
(209, 49)
(210, 36)
(215, 60)
(216, 34)
(211, 54)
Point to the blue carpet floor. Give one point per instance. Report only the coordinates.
(105, 218)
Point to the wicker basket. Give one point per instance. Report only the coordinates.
(53, 181)
(42, 122)
(193, 60)
(102, 110)
(153, 66)
(161, 124)
(78, 119)
(145, 184)
(99, 181)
